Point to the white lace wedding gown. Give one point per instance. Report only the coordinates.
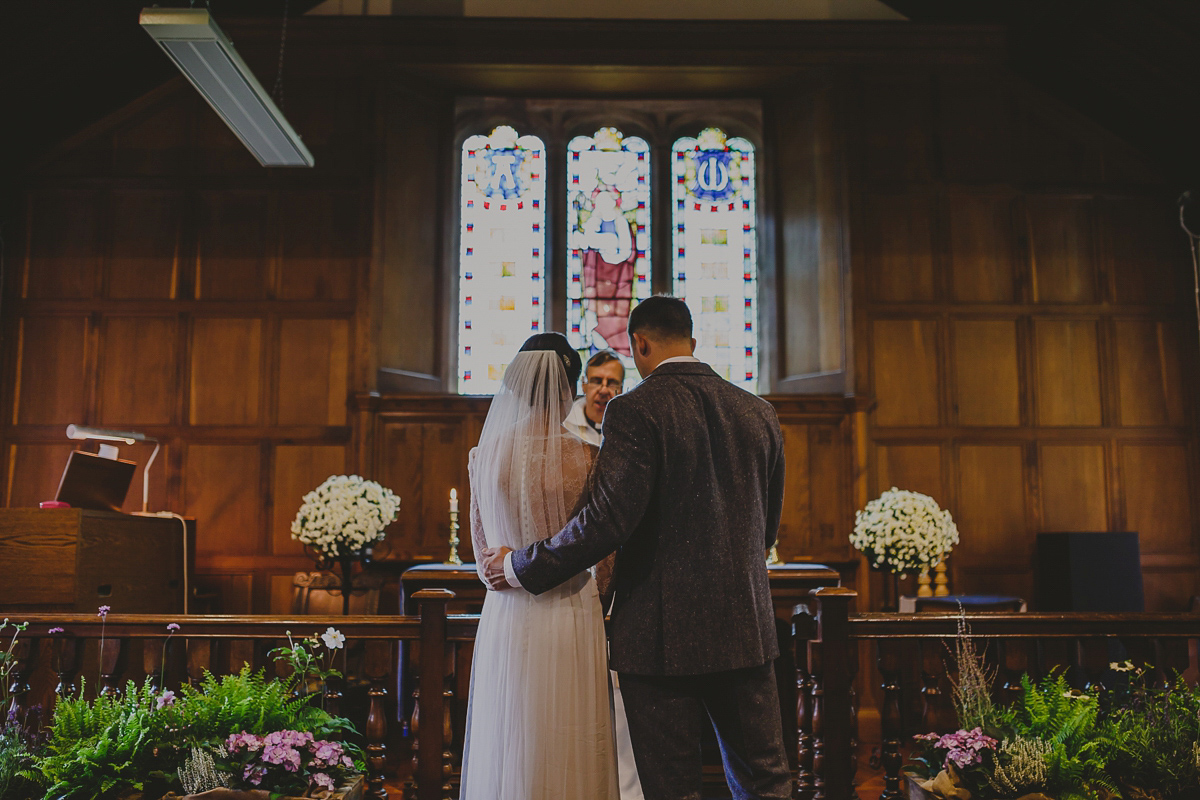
(539, 726)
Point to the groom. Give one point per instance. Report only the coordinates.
(688, 488)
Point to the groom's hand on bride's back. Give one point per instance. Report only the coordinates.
(492, 561)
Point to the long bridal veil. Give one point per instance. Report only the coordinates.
(528, 471)
(538, 723)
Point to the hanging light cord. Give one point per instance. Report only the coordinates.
(277, 92)
(1194, 241)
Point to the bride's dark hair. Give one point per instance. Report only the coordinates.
(557, 343)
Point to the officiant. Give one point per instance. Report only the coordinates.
(604, 379)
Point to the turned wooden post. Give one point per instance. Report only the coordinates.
(431, 728)
(64, 660)
(25, 655)
(804, 630)
(377, 659)
(891, 669)
(111, 660)
(834, 659)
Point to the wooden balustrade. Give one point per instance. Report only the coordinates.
(104, 653)
(912, 668)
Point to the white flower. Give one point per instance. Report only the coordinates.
(333, 638)
(345, 513)
(904, 530)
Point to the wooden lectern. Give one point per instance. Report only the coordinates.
(72, 559)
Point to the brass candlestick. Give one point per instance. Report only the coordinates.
(454, 559)
(773, 558)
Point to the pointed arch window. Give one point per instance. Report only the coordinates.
(608, 240)
(715, 263)
(502, 285)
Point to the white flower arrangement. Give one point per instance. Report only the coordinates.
(904, 530)
(344, 514)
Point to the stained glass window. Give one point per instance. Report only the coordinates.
(716, 262)
(501, 265)
(608, 240)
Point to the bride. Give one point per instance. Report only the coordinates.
(538, 720)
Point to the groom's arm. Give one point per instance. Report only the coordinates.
(624, 479)
(774, 509)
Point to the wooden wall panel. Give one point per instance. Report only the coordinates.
(795, 523)
(1145, 251)
(232, 258)
(319, 242)
(983, 260)
(65, 245)
(827, 481)
(1150, 375)
(991, 514)
(223, 487)
(906, 373)
(897, 248)
(226, 371)
(986, 380)
(144, 263)
(915, 467)
(33, 472)
(53, 370)
(1068, 372)
(139, 381)
(158, 499)
(1157, 499)
(896, 113)
(974, 126)
(1062, 256)
(1170, 589)
(1074, 487)
(155, 142)
(314, 363)
(298, 469)
(421, 460)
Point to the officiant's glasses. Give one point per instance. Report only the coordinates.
(599, 383)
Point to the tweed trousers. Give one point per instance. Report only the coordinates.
(666, 718)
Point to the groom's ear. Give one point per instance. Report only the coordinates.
(693, 346)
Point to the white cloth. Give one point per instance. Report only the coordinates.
(677, 360)
(578, 423)
(539, 725)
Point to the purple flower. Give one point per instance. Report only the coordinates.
(165, 699)
(55, 630)
(103, 613)
(323, 780)
(254, 774)
(173, 627)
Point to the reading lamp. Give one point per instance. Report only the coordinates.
(207, 59)
(128, 437)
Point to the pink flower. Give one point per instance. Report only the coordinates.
(323, 780)
(103, 612)
(165, 699)
(254, 774)
(56, 630)
(173, 627)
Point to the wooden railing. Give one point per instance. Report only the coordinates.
(911, 656)
(138, 647)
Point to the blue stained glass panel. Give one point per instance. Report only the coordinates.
(716, 261)
(501, 288)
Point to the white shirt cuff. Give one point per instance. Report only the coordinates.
(510, 574)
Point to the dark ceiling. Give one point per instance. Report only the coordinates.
(1133, 65)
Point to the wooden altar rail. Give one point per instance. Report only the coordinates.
(138, 647)
(912, 654)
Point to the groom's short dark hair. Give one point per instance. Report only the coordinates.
(661, 317)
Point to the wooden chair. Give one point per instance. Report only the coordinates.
(320, 593)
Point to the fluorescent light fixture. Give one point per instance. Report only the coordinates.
(206, 57)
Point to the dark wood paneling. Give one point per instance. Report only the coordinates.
(33, 472)
(906, 374)
(1068, 372)
(991, 507)
(65, 247)
(1157, 500)
(986, 381)
(1146, 252)
(313, 371)
(1149, 372)
(898, 248)
(917, 468)
(1062, 256)
(146, 228)
(232, 260)
(795, 524)
(139, 381)
(1074, 487)
(320, 236)
(222, 486)
(983, 260)
(226, 382)
(298, 470)
(53, 370)
(897, 125)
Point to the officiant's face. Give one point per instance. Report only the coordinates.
(601, 384)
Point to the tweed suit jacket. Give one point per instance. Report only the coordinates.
(688, 489)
